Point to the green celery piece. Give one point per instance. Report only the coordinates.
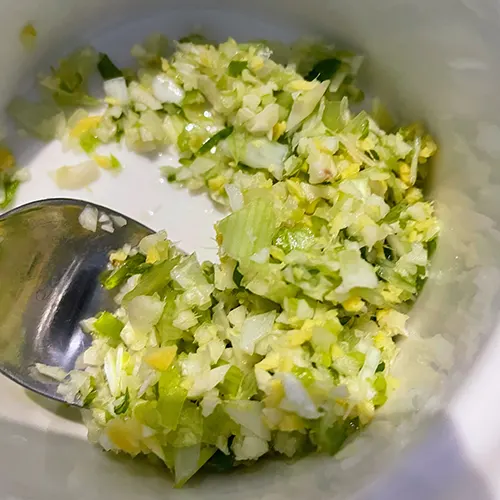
(89, 142)
(359, 125)
(295, 238)
(387, 273)
(147, 413)
(237, 385)
(171, 398)
(249, 230)
(190, 426)
(395, 213)
(333, 115)
(304, 375)
(284, 99)
(232, 381)
(248, 387)
(330, 438)
(217, 424)
(235, 68)
(106, 325)
(154, 280)
(167, 331)
(115, 163)
(205, 455)
(380, 385)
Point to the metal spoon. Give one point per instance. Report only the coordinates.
(49, 283)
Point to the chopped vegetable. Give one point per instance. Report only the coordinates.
(88, 218)
(215, 139)
(286, 344)
(27, 36)
(77, 176)
(324, 70)
(69, 82)
(107, 68)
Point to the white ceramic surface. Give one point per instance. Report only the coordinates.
(434, 60)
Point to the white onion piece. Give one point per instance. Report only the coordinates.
(166, 90)
(22, 175)
(142, 97)
(88, 218)
(77, 176)
(108, 227)
(119, 221)
(116, 88)
(235, 197)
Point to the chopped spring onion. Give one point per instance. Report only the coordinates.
(215, 139)
(107, 68)
(324, 70)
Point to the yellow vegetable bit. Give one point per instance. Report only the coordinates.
(111, 101)
(413, 237)
(278, 130)
(102, 161)
(366, 411)
(297, 85)
(286, 365)
(217, 183)
(298, 337)
(312, 206)
(275, 395)
(392, 383)
(368, 144)
(405, 173)
(256, 63)
(165, 65)
(118, 257)
(153, 256)
(350, 171)
(125, 434)
(28, 36)
(353, 304)
(337, 352)
(84, 125)
(413, 195)
(160, 358)
(270, 362)
(428, 149)
(291, 423)
(392, 293)
(385, 344)
(7, 160)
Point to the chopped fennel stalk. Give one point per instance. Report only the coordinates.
(286, 344)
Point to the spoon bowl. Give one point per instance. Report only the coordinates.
(49, 282)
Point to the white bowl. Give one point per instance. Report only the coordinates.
(434, 60)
